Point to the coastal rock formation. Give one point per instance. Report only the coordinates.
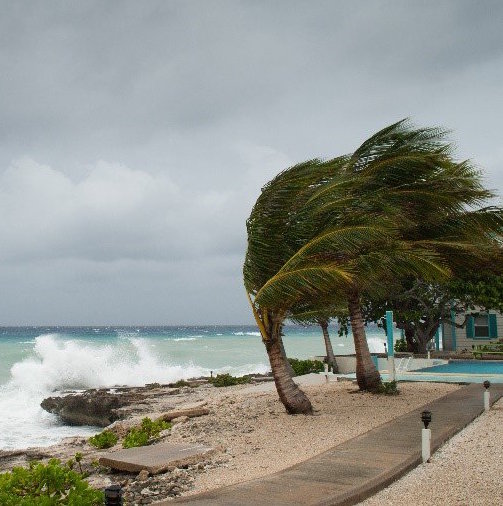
(94, 407)
(101, 407)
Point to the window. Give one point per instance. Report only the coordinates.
(481, 325)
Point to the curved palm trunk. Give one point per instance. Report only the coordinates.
(283, 352)
(292, 397)
(328, 345)
(367, 376)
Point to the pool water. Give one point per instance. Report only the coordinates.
(467, 367)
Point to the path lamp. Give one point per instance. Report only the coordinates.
(426, 436)
(487, 395)
(113, 495)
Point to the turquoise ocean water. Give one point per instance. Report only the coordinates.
(36, 362)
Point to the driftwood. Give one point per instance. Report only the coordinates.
(189, 412)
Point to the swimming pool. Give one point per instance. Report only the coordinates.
(455, 371)
(467, 367)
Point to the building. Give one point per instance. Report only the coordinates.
(480, 328)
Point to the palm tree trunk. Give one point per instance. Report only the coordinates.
(328, 345)
(292, 397)
(283, 352)
(367, 376)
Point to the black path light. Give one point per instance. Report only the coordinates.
(426, 436)
(487, 395)
(113, 495)
(426, 418)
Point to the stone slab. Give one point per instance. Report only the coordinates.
(155, 458)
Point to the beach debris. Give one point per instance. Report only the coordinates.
(187, 411)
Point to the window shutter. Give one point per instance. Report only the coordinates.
(470, 327)
(493, 326)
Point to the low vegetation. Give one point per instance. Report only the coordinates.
(226, 380)
(105, 439)
(401, 345)
(301, 367)
(179, 384)
(48, 484)
(388, 388)
(145, 433)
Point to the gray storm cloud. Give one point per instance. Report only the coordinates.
(135, 136)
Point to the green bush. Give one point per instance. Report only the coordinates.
(143, 434)
(401, 345)
(226, 380)
(182, 383)
(47, 485)
(105, 439)
(388, 388)
(301, 367)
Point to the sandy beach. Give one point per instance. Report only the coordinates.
(251, 433)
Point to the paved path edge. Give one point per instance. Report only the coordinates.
(372, 486)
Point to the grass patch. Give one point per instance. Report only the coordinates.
(226, 380)
(182, 383)
(105, 439)
(144, 433)
(388, 388)
(301, 367)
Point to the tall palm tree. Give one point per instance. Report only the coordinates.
(361, 229)
(277, 227)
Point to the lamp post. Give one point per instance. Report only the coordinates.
(487, 395)
(426, 436)
(113, 495)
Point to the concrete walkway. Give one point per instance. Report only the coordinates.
(356, 469)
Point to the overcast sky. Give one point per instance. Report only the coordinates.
(135, 136)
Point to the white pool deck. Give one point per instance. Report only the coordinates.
(436, 377)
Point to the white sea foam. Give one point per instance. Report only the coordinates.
(59, 364)
(246, 334)
(185, 338)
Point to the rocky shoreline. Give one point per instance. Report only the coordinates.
(246, 425)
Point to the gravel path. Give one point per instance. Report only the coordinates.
(467, 470)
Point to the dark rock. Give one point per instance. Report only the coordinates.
(92, 407)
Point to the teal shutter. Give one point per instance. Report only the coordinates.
(493, 326)
(470, 327)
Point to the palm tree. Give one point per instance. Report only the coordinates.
(319, 313)
(277, 228)
(362, 229)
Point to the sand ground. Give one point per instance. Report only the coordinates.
(256, 437)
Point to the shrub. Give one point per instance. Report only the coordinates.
(46, 485)
(388, 388)
(301, 367)
(182, 383)
(105, 439)
(143, 434)
(226, 380)
(401, 345)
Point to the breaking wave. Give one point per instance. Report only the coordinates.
(58, 364)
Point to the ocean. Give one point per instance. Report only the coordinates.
(36, 362)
